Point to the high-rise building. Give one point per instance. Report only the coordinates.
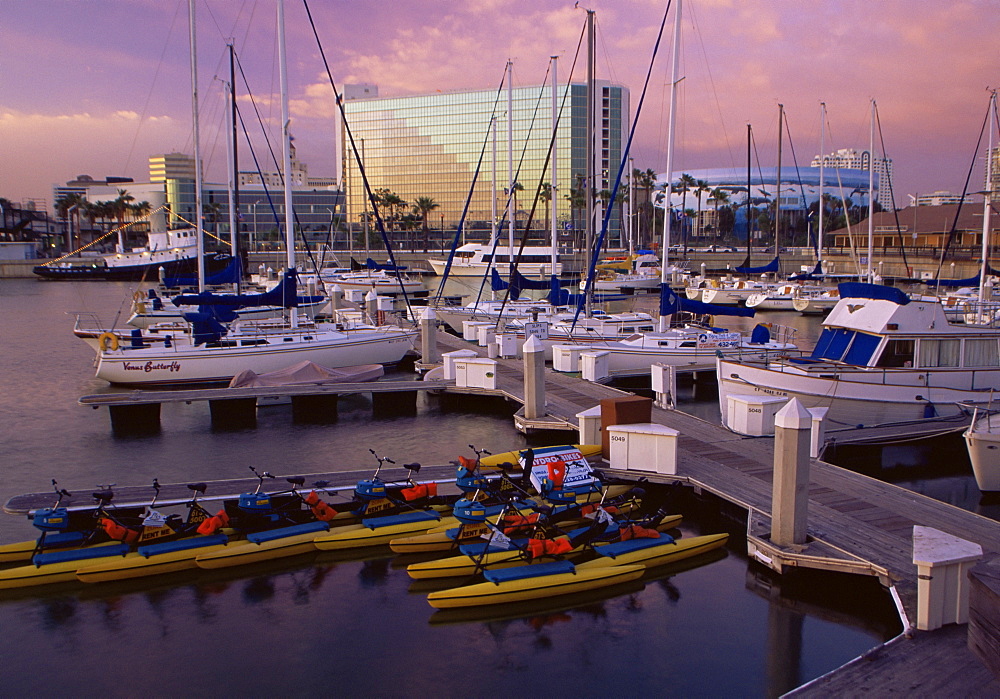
(171, 166)
(441, 146)
(852, 159)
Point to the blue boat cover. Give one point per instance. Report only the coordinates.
(622, 547)
(770, 267)
(282, 532)
(405, 518)
(671, 302)
(537, 570)
(863, 290)
(194, 542)
(43, 559)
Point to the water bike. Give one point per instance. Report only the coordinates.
(123, 534)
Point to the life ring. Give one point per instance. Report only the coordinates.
(106, 340)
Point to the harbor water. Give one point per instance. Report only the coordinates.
(720, 626)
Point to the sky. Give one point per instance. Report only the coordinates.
(97, 86)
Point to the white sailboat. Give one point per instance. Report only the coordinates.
(215, 353)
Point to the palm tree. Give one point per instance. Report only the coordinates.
(70, 200)
(645, 181)
(701, 188)
(546, 196)
(718, 196)
(684, 185)
(423, 207)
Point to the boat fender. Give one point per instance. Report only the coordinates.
(548, 547)
(214, 523)
(634, 531)
(118, 532)
(106, 341)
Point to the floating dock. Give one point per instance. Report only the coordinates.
(856, 524)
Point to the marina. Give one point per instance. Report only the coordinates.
(860, 519)
(621, 447)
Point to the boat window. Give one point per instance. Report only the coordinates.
(646, 329)
(832, 344)
(981, 353)
(863, 346)
(689, 343)
(245, 343)
(934, 353)
(897, 353)
(627, 331)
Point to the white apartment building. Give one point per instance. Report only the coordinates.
(852, 159)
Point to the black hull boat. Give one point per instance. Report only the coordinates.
(98, 270)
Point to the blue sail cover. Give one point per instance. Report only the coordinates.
(769, 268)
(954, 283)
(284, 294)
(372, 264)
(863, 290)
(817, 273)
(671, 302)
(230, 274)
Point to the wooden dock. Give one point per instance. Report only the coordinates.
(857, 524)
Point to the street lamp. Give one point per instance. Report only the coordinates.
(253, 241)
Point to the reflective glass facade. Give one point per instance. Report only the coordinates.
(432, 145)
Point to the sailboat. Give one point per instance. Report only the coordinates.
(214, 352)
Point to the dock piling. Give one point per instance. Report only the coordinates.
(428, 337)
(790, 485)
(534, 378)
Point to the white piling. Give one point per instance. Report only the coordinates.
(790, 489)
(534, 378)
(428, 337)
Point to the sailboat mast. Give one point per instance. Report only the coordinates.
(822, 182)
(749, 197)
(554, 160)
(286, 151)
(511, 208)
(987, 205)
(871, 197)
(493, 203)
(671, 119)
(588, 187)
(777, 183)
(199, 225)
(233, 167)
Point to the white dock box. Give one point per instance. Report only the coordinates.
(449, 359)
(486, 334)
(354, 295)
(644, 446)
(594, 365)
(470, 329)
(752, 415)
(589, 422)
(566, 358)
(508, 344)
(476, 372)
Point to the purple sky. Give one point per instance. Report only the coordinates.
(95, 87)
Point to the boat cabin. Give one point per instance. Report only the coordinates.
(892, 330)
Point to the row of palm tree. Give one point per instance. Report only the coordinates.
(105, 213)
(400, 215)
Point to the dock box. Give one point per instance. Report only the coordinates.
(643, 447)
(752, 415)
(566, 358)
(476, 373)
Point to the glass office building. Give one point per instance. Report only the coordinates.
(441, 146)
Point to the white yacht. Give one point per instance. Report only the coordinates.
(882, 357)
(983, 442)
(476, 259)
